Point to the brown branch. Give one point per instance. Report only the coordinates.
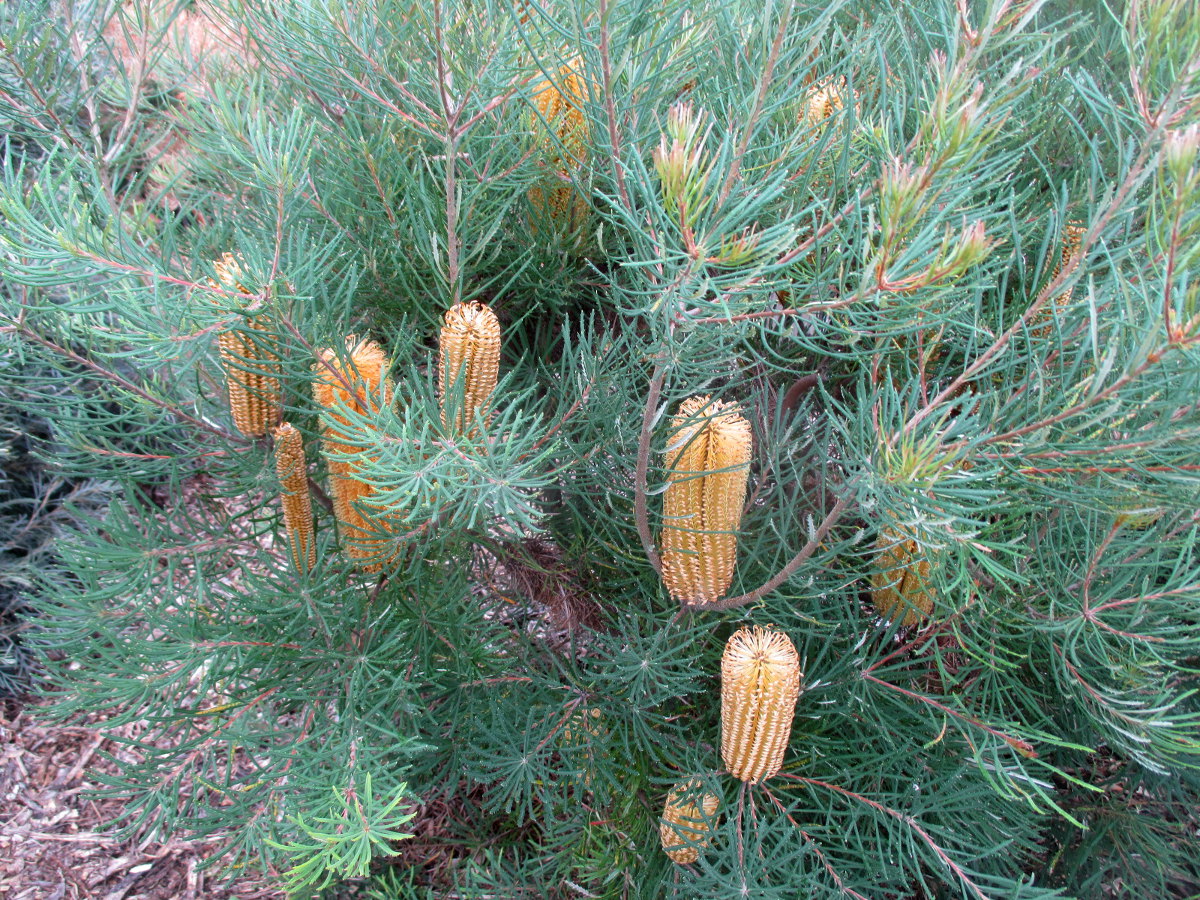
(1021, 745)
(110, 375)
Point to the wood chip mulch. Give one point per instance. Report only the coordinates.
(56, 841)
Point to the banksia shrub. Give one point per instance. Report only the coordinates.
(297, 504)
(358, 385)
(760, 682)
(689, 816)
(251, 369)
(563, 145)
(900, 583)
(468, 359)
(863, 281)
(708, 462)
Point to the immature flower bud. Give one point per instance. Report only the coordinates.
(688, 818)
(1180, 149)
(468, 358)
(1072, 240)
(760, 682)
(679, 162)
(708, 462)
(820, 102)
(252, 371)
(900, 583)
(358, 385)
(973, 245)
(297, 504)
(586, 730)
(559, 103)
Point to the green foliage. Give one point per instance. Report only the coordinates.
(882, 288)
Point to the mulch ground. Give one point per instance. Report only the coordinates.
(56, 840)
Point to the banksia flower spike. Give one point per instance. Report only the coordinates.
(822, 100)
(688, 819)
(900, 583)
(358, 385)
(760, 682)
(468, 354)
(252, 371)
(819, 104)
(297, 504)
(559, 103)
(1072, 240)
(709, 463)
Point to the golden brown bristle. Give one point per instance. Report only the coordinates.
(559, 103)
(468, 358)
(760, 682)
(689, 816)
(252, 371)
(294, 494)
(1072, 241)
(708, 464)
(358, 385)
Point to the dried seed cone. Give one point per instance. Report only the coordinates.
(297, 504)
(760, 681)
(901, 580)
(709, 465)
(252, 371)
(688, 820)
(559, 103)
(469, 351)
(358, 385)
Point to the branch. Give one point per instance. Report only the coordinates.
(32, 335)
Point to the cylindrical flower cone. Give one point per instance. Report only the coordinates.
(559, 102)
(760, 683)
(359, 385)
(1072, 240)
(468, 360)
(708, 462)
(294, 495)
(688, 819)
(900, 584)
(252, 371)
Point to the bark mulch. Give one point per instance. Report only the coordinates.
(56, 841)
